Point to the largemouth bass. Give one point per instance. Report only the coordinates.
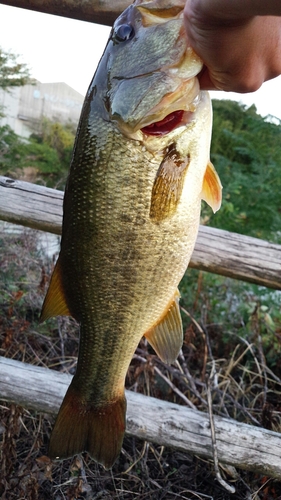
(131, 212)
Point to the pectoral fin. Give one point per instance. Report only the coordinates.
(166, 336)
(168, 185)
(55, 303)
(212, 188)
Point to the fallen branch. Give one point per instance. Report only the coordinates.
(229, 254)
(166, 424)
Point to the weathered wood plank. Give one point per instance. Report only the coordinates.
(238, 256)
(217, 251)
(94, 11)
(166, 424)
(31, 205)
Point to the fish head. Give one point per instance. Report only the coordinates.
(149, 89)
(150, 70)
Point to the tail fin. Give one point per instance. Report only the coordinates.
(82, 427)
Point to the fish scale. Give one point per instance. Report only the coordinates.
(130, 220)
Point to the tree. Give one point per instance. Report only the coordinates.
(47, 153)
(246, 153)
(12, 72)
(59, 137)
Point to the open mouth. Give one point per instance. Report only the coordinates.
(166, 125)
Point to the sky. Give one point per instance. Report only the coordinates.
(58, 49)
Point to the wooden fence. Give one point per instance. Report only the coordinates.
(94, 11)
(217, 251)
(229, 254)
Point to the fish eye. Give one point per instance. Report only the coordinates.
(124, 32)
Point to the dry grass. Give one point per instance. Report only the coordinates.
(242, 387)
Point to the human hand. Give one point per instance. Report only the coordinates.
(239, 44)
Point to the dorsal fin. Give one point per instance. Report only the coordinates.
(55, 303)
(166, 336)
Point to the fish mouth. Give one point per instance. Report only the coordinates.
(173, 110)
(168, 123)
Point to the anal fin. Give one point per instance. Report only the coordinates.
(166, 336)
(55, 303)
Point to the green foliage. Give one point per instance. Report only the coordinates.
(7, 138)
(59, 137)
(48, 153)
(12, 72)
(9, 141)
(246, 152)
(235, 308)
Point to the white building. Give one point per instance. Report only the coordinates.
(24, 107)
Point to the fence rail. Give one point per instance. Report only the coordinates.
(217, 251)
(164, 423)
(94, 11)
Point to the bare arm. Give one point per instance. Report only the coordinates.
(238, 40)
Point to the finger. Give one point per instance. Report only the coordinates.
(205, 80)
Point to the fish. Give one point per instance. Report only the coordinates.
(131, 212)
